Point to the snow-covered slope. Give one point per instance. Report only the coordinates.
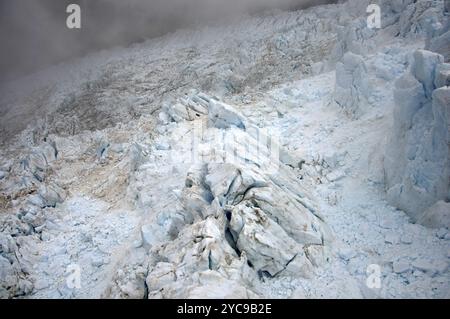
(271, 158)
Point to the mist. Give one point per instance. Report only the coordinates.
(33, 34)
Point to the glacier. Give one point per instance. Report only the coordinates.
(279, 157)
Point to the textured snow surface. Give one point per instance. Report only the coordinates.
(256, 160)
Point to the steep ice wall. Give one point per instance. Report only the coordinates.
(417, 161)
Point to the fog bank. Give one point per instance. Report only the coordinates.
(33, 34)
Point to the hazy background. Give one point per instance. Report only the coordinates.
(33, 33)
